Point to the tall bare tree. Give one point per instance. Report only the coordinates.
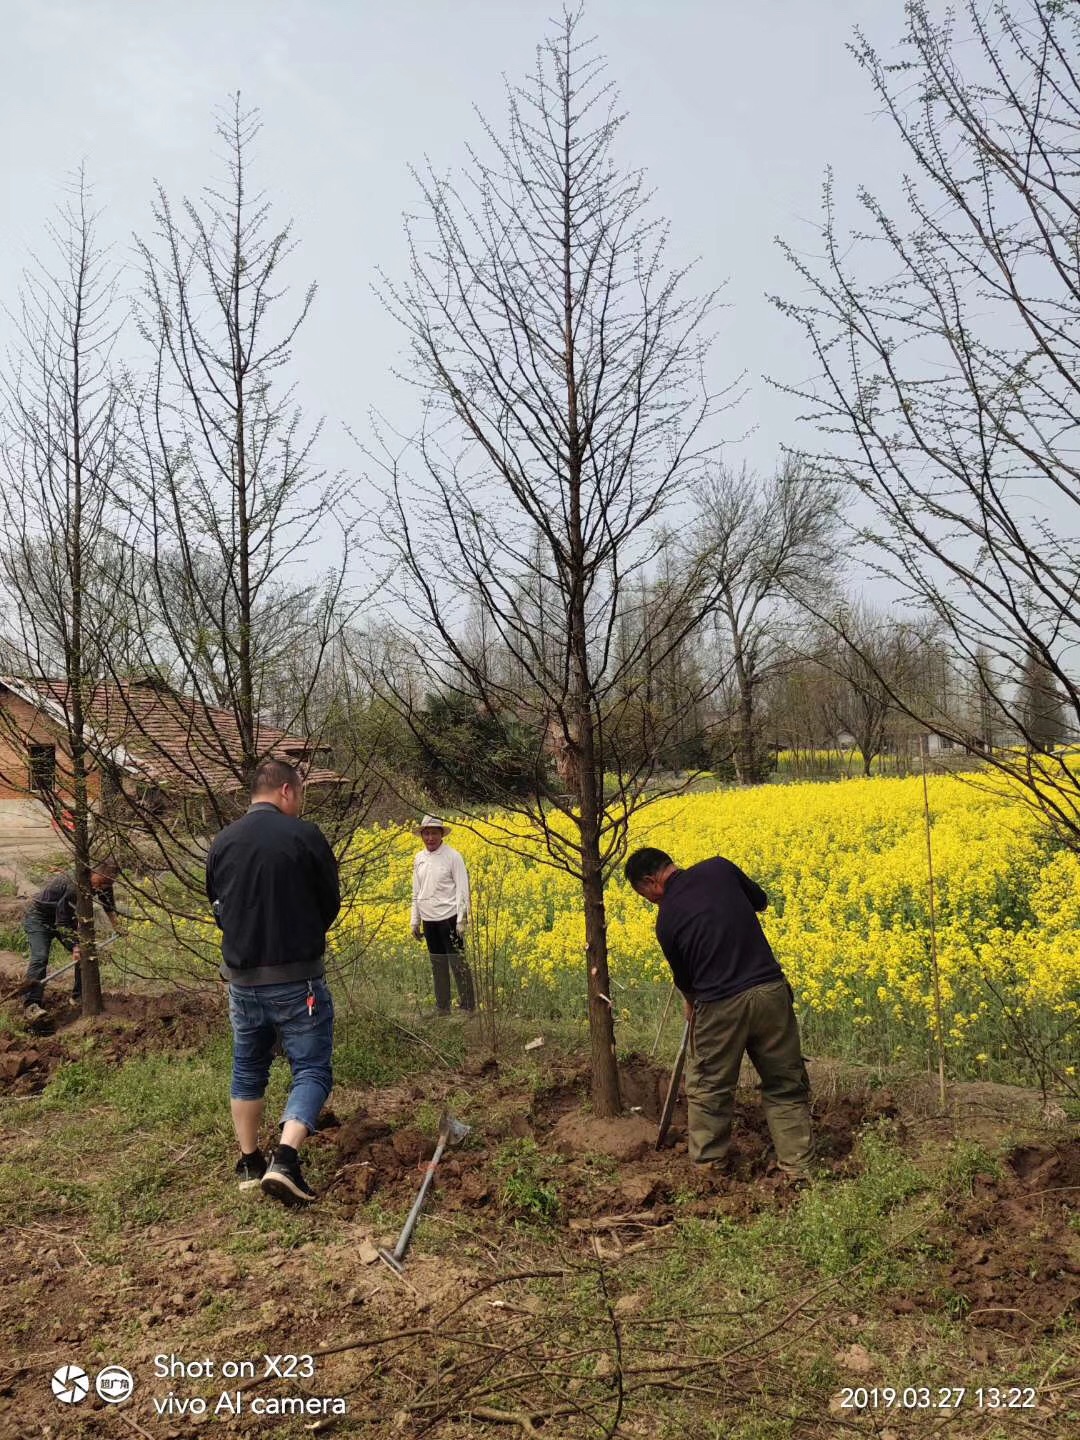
(62, 454)
(881, 659)
(1041, 706)
(561, 362)
(243, 542)
(766, 545)
(948, 347)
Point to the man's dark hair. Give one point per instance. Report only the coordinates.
(644, 863)
(272, 775)
(106, 866)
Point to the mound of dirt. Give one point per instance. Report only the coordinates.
(375, 1155)
(1017, 1264)
(25, 1068)
(627, 1137)
(131, 1025)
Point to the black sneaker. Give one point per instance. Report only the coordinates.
(284, 1179)
(250, 1169)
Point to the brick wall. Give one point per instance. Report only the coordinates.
(21, 726)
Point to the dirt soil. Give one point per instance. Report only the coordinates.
(1016, 1259)
(131, 1025)
(600, 1166)
(1007, 1250)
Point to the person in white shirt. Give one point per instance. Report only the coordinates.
(440, 913)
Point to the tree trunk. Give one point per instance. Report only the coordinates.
(605, 1072)
(75, 660)
(743, 748)
(745, 760)
(84, 896)
(604, 1089)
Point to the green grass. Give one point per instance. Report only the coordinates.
(185, 1093)
(835, 1228)
(13, 937)
(120, 1147)
(838, 1226)
(962, 1161)
(526, 1189)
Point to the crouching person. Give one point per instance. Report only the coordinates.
(273, 882)
(52, 915)
(737, 1001)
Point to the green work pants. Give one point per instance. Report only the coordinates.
(760, 1022)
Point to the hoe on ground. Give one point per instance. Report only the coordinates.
(451, 1132)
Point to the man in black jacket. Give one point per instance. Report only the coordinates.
(51, 915)
(273, 882)
(737, 1000)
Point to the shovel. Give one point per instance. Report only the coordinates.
(25, 985)
(451, 1132)
(673, 1087)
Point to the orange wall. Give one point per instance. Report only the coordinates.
(21, 726)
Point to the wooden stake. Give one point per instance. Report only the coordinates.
(925, 747)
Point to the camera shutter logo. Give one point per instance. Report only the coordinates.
(70, 1384)
(114, 1384)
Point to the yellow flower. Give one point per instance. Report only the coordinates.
(845, 869)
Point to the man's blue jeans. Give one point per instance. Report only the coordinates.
(262, 1015)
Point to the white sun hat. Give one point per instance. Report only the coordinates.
(432, 822)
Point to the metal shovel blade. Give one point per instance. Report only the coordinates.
(454, 1130)
(451, 1132)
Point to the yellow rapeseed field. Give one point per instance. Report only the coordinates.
(845, 867)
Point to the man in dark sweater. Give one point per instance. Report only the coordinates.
(273, 882)
(737, 1000)
(51, 916)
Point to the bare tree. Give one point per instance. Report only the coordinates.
(766, 546)
(879, 661)
(561, 363)
(988, 712)
(62, 453)
(1041, 705)
(795, 700)
(948, 342)
(243, 543)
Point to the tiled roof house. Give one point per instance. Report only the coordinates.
(143, 732)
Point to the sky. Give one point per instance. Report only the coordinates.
(735, 109)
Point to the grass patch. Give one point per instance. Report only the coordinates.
(962, 1162)
(141, 1191)
(370, 1048)
(526, 1191)
(837, 1227)
(13, 937)
(186, 1093)
(79, 1080)
(29, 1192)
(724, 1260)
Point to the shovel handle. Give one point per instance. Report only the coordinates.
(673, 1087)
(418, 1204)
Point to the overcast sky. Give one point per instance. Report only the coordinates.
(735, 107)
